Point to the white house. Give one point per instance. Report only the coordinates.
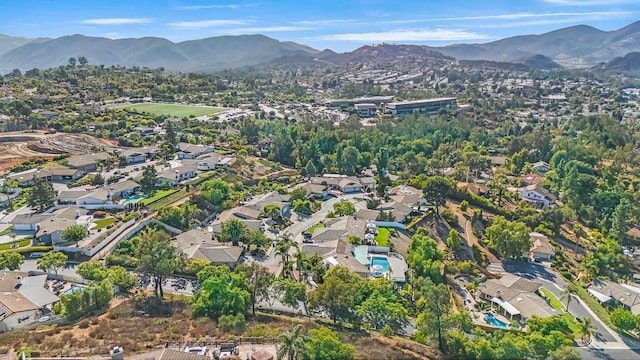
(541, 167)
(541, 248)
(174, 176)
(212, 160)
(192, 151)
(537, 194)
(23, 300)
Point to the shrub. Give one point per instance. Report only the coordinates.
(449, 217)
(233, 324)
(464, 205)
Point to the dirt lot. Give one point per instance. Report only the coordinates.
(16, 147)
(144, 325)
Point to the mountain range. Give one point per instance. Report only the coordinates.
(573, 47)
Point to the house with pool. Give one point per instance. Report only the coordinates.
(514, 298)
(369, 261)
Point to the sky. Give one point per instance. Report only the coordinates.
(339, 25)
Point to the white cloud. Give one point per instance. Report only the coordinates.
(216, 6)
(406, 35)
(266, 29)
(116, 21)
(202, 24)
(322, 22)
(588, 2)
(514, 16)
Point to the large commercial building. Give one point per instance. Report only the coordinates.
(377, 100)
(426, 106)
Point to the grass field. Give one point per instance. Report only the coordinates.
(175, 110)
(159, 194)
(102, 223)
(383, 236)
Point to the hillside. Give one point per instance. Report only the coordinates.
(576, 46)
(627, 65)
(539, 62)
(382, 53)
(210, 54)
(8, 43)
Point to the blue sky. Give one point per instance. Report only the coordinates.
(339, 25)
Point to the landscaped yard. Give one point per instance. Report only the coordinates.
(559, 306)
(159, 194)
(175, 110)
(314, 227)
(102, 223)
(15, 244)
(7, 231)
(382, 238)
(553, 301)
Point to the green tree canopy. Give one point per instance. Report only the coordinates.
(508, 238)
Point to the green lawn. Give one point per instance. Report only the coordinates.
(159, 194)
(175, 110)
(102, 223)
(314, 227)
(383, 236)
(168, 200)
(7, 231)
(553, 301)
(21, 243)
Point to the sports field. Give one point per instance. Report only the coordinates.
(175, 110)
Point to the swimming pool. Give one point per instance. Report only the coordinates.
(134, 199)
(379, 262)
(488, 317)
(73, 289)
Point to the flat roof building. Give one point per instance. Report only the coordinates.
(426, 106)
(366, 109)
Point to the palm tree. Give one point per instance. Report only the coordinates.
(292, 345)
(282, 248)
(567, 294)
(587, 330)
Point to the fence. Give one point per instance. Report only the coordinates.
(101, 245)
(391, 224)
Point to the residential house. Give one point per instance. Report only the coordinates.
(541, 248)
(198, 244)
(614, 294)
(532, 179)
(408, 196)
(50, 231)
(515, 297)
(55, 173)
(538, 195)
(124, 189)
(344, 183)
(192, 151)
(133, 156)
(144, 130)
(23, 300)
(176, 175)
(212, 161)
(541, 167)
(317, 191)
(165, 354)
(88, 162)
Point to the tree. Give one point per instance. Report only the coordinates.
(292, 344)
(271, 211)
(72, 62)
(291, 292)
(42, 196)
(92, 270)
(222, 292)
(349, 163)
(283, 247)
(586, 329)
(435, 190)
(565, 353)
(122, 278)
(11, 261)
(453, 240)
(324, 344)
(157, 257)
(434, 321)
(424, 257)
(75, 233)
(623, 319)
(508, 238)
(260, 279)
(310, 169)
(567, 294)
(52, 261)
(344, 208)
(338, 295)
(149, 179)
(215, 191)
(83, 61)
(383, 309)
(382, 160)
(621, 218)
(233, 231)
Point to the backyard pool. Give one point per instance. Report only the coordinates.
(73, 289)
(134, 199)
(488, 317)
(379, 265)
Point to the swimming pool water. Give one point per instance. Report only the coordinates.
(384, 262)
(134, 199)
(73, 289)
(495, 322)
